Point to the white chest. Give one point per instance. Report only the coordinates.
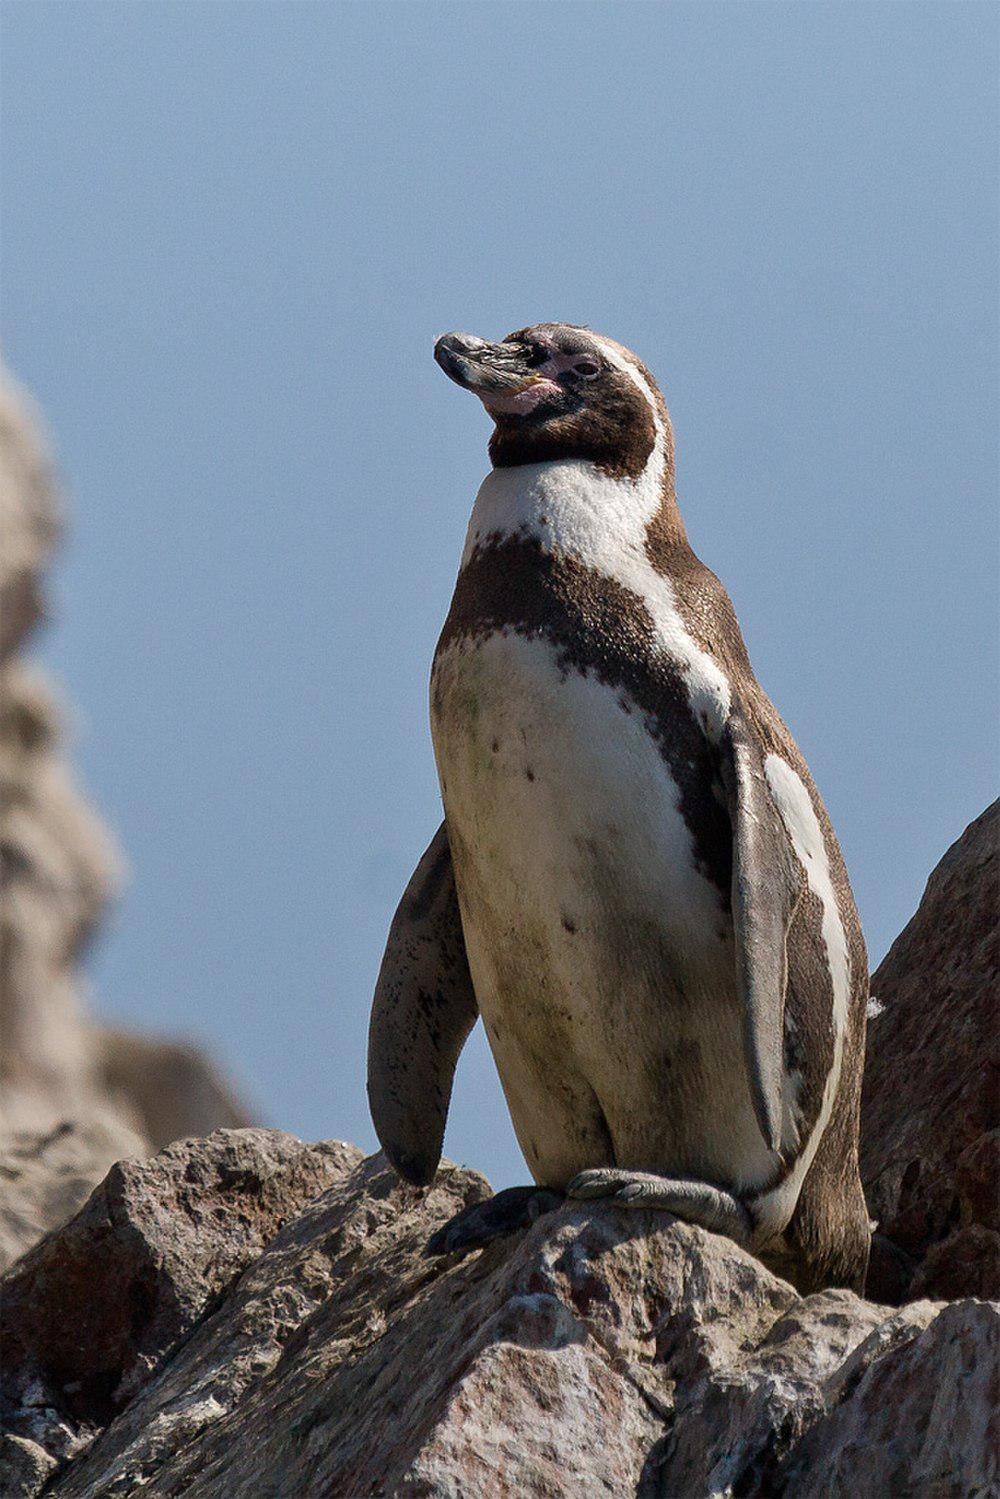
(573, 510)
(602, 957)
(564, 813)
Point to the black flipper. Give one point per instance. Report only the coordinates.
(423, 1010)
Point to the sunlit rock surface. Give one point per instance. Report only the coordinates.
(74, 1096)
(249, 1316)
(930, 1112)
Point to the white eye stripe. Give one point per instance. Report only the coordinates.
(628, 368)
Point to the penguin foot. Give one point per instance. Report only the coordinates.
(502, 1214)
(693, 1201)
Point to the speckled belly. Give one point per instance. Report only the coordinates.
(602, 957)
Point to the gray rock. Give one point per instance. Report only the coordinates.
(922, 1419)
(170, 1087)
(92, 1309)
(25, 1467)
(605, 1351)
(930, 1110)
(47, 1177)
(74, 1096)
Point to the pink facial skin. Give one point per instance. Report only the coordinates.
(520, 402)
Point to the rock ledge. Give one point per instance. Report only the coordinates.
(242, 1337)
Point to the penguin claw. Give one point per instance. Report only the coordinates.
(693, 1201)
(502, 1214)
(598, 1182)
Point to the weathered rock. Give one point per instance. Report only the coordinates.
(46, 1178)
(73, 1096)
(931, 1104)
(170, 1088)
(606, 1351)
(92, 1309)
(59, 865)
(59, 872)
(24, 1467)
(336, 1280)
(921, 1420)
(30, 516)
(737, 1417)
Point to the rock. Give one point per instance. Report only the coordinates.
(47, 1177)
(922, 1419)
(737, 1419)
(337, 1279)
(605, 1351)
(59, 865)
(73, 1096)
(60, 871)
(170, 1088)
(930, 1110)
(30, 516)
(966, 1263)
(91, 1310)
(24, 1467)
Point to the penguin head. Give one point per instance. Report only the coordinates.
(560, 391)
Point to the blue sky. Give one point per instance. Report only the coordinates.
(230, 232)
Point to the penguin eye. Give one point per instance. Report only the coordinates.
(586, 369)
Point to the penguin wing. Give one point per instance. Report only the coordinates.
(423, 1010)
(765, 892)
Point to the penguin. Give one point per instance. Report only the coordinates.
(636, 885)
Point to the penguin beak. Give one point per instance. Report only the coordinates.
(488, 370)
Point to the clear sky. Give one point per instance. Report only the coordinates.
(230, 232)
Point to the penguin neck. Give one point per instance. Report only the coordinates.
(570, 506)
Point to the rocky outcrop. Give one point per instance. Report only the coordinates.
(203, 1328)
(91, 1311)
(30, 517)
(920, 1419)
(930, 1121)
(246, 1316)
(74, 1097)
(59, 873)
(168, 1088)
(46, 1177)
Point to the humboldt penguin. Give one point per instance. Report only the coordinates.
(636, 884)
